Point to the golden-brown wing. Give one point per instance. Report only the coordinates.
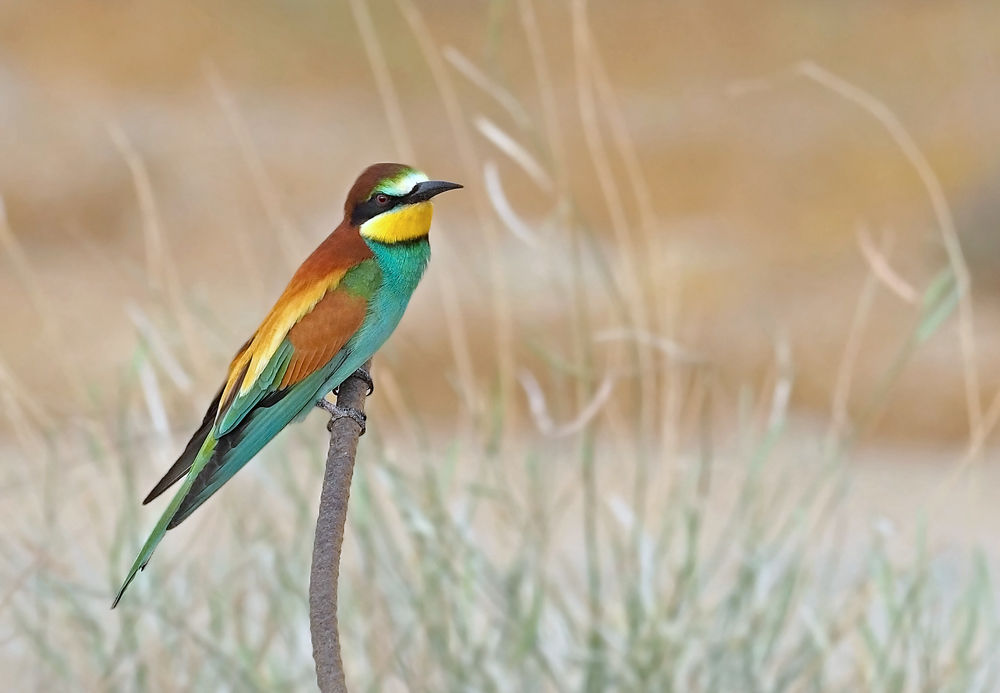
(261, 367)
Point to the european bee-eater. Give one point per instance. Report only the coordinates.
(338, 309)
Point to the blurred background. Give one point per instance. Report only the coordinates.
(683, 222)
(758, 194)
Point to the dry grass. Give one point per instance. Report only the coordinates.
(602, 510)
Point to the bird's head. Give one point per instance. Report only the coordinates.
(390, 203)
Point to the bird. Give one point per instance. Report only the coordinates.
(338, 309)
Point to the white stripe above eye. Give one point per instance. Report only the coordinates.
(402, 185)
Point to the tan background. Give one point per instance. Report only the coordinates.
(758, 198)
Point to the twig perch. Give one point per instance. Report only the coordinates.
(344, 434)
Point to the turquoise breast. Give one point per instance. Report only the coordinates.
(402, 266)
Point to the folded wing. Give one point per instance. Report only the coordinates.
(275, 376)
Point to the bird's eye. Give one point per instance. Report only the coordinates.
(382, 199)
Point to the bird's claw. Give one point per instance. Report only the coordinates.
(338, 412)
(362, 375)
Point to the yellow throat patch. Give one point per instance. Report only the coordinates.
(405, 223)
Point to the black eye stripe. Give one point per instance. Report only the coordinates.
(370, 208)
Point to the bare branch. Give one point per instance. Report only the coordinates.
(344, 433)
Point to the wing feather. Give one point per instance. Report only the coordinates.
(317, 337)
(191, 450)
(258, 368)
(300, 346)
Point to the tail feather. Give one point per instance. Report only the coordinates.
(217, 460)
(204, 454)
(187, 458)
(237, 447)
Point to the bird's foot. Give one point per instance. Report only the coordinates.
(338, 412)
(365, 377)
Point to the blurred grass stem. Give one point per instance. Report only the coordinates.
(503, 330)
(161, 270)
(288, 237)
(404, 147)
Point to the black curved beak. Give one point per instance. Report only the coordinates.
(424, 191)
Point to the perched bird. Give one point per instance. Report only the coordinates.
(338, 309)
